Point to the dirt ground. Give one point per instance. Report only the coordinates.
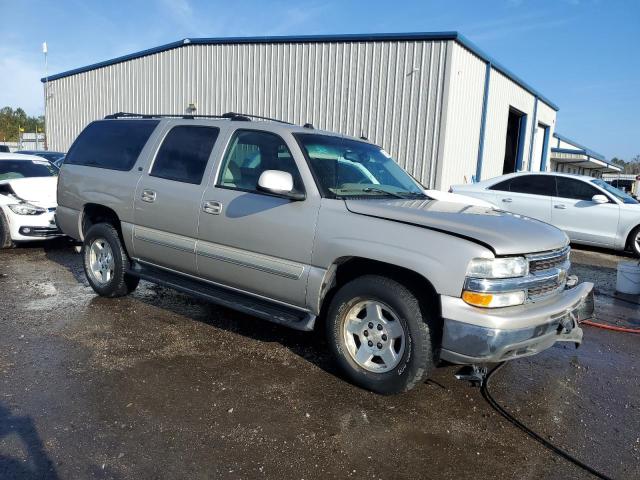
(158, 385)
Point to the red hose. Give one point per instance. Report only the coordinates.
(611, 327)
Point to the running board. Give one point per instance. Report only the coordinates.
(225, 297)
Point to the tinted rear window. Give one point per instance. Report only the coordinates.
(184, 153)
(112, 144)
(534, 185)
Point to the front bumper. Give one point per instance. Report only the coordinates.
(474, 335)
(32, 227)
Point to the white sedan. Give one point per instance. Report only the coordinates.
(589, 210)
(27, 199)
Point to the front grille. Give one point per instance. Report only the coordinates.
(39, 231)
(544, 290)
(554, 264)
(546, 261)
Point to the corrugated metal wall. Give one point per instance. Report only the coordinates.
(391, 92)
(463, 118)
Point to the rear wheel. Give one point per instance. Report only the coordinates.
(635, 241)
(106, 262)
(379, 336)
(5, 233)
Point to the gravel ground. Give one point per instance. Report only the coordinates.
(158, 385)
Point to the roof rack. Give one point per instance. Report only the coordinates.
(246, 117)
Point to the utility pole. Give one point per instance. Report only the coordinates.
(45, 50)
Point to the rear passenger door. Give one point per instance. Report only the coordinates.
(251, 240)
(168, 196)
(528, 195)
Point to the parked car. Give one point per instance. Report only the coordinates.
(27, 199)
(589, 210)
(4, 149)
(57, 158)
(292, 225)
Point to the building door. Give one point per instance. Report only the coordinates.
(514, 146)
(540, 146)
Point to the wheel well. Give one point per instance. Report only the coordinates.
(630, 236)
(94, 214)
(353, 267)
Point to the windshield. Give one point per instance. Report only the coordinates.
(619, 194)
(348, 168)
(11, 169)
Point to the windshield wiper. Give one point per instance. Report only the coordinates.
(385, 192)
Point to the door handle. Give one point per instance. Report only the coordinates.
(560, 206)
(507, 200)
(211, 207)
(148, 196)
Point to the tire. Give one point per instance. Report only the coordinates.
(102, 251)
(634, 241)
(5, 233)
(398, 307)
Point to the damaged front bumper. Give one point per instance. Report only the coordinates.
(473, 335)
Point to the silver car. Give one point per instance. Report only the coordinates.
(589, 210)
(319, 232)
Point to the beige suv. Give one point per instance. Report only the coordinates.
(316, 231)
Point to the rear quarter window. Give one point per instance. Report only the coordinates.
(111, 144)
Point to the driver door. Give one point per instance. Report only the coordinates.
(584, 220)
(251, 240)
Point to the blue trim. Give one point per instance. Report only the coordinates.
(483, 121)
(545, 148)
(366, 37)
(522, 135)
(534, 124)
(587, 151)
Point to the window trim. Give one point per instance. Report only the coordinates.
(221, 166)
(161, 143)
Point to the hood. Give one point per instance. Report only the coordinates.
(457, 198)
(504, 233)
(40, 191)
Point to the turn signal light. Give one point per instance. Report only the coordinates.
(477, 299)
(494, 300)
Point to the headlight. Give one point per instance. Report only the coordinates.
(508, 267)
(26, 209)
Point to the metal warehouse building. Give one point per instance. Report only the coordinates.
(444, 109)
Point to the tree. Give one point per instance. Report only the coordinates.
(11, 121)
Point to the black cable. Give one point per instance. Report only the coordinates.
(557, 450)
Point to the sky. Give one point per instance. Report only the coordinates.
(584, 55)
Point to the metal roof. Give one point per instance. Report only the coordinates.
(365, 37)
(585, 150)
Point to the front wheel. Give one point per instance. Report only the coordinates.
(105, 262)
(635, 241)
(379, 336)
(5, 234)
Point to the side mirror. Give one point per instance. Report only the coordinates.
(278, 183)
(599, 198)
